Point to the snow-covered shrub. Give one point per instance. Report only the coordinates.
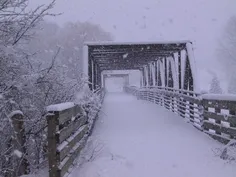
(90, 102)
(229, 151)
(36, 73)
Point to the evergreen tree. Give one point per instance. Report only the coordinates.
(232, 85)
(215, 86)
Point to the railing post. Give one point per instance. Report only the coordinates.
(19, 144)
(52, 120)
(179, 101)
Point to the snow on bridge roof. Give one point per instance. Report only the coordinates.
(90, 43)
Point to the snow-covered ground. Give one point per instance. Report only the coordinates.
(134, 138)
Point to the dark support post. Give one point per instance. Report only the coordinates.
(153, 74)
(146, 76)
(179, 69)
(190, 87)
(19, 144)
(90, 73)
(99, 77)
(156, 82)
(159, 82)
(149, 75)
(181, 109)
(52, 120)
(166, 99)
(142, 77)
(161, 97)
(190, 76)
(165, 70)
(186, 79)
(186, 74)
(95, 76)
(156, 74)
(171, 84)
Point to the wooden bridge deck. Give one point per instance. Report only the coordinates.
(134, 138)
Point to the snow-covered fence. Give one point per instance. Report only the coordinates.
(185, 103)
(67, 129)
(69, 126)
(219, 116)
(215, 114)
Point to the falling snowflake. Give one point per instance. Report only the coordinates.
(18, 153)
(76, 48)
(125, 55)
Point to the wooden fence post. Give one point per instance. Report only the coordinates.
(19, 144)
(52, 120)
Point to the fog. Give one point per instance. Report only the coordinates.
(201, 21)
(53, 87)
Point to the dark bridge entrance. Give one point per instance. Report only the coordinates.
(166, 64)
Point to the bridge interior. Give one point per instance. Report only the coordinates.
(160, 64)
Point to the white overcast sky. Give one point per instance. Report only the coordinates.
(201, 21)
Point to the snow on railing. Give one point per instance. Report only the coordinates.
(215, 114)
(225, 97)
(69, 126)
(60, 107)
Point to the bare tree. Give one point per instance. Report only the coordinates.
(16, 27)
(16, 21)
(42, 68)
(227, 53)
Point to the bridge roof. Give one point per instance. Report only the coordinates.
(130, 55)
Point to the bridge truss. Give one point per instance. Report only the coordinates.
(164, 64)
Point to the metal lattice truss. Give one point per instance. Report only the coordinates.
(167, 64)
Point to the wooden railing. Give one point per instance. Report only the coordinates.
(213, 114)
(69, 126)
(219, 117)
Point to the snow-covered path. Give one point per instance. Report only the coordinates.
(134, 138)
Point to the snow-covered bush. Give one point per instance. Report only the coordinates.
(37, 68)
(90, 102)
(229, 151)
